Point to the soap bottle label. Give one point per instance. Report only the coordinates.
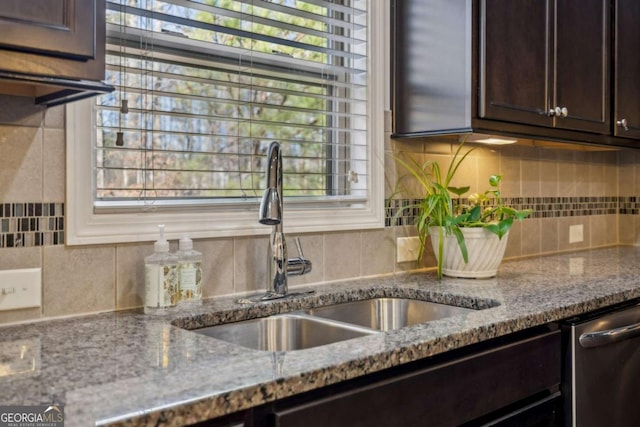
(161, 288)
(190, 280)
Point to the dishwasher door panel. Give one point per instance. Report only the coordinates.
(605, 370)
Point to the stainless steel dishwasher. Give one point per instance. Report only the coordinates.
(602, 369)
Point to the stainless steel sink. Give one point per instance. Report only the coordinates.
(385, 314)
(326, 325)
(284, 332)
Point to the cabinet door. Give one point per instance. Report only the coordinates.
(582, 64)
(515, 62)
(63, 28)
(627, 68)
(447, 394)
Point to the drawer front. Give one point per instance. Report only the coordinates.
(446, 394)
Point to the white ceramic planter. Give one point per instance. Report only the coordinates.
(485, 251)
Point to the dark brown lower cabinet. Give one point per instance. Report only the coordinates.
(508, 383)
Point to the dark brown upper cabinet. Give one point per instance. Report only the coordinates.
(546, 63)
(64, 28)
(563, 70)
(52, 50)
(626, 113)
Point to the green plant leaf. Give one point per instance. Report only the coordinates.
(461, 244)
(494, 180)
(458, 191)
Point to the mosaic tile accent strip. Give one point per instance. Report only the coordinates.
(31, 224)
(629, 205)
(400, 211)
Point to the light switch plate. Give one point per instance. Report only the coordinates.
(20, 288)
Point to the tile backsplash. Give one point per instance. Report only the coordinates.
(31, 224)
(598, 189)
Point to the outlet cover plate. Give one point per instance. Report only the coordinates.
(576, 233)
(407, 249)
(20, 288)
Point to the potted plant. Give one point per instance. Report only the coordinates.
(469, 236)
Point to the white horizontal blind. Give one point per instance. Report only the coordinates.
(210, 83)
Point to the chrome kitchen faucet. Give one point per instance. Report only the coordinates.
(271, 213)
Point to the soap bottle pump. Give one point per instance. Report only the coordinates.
(189, 272)
(161, 276)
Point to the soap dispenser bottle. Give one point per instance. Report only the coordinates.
(161, 276)
(189, 272)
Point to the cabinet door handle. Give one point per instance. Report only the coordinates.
(558, 112)
(623, 124)
(600, 338)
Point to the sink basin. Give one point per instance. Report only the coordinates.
(284, 332)
(326, 325)
(385, 314)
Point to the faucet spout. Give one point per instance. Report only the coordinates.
(271, 213)
(271, 208)
(271, 205)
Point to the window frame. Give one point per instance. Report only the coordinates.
(86, 226)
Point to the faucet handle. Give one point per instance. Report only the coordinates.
(299, 246)
(299, 265)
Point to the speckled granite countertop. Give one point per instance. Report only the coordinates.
(127, 368)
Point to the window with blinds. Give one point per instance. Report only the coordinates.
(204, 86)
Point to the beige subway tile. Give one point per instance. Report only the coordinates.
(514, 244)
(440, 146)
(378, 251)
(531, 178)
(604, 230)
(54, 117)
(53, 166)
(549, 177)
(15, 258)
(531, 233)
(511, 171)
(313, 249)
(567, 174)
(217, 266)
(621, 180)
(342, 255)
(20, 164)
(598, 230)
(78, 280)
(20, 111)
(488, 164)
(21, 315)
(627, 230)
(597, 179)
(405, 146)
(130, 274)
(250, 264)
(548, 235)
(636, 230)
(403, 184)
(583, 173)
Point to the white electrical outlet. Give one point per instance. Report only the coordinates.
(576, 233)
(20, 288)
(408, 249)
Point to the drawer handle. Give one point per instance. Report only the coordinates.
(600, 338)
